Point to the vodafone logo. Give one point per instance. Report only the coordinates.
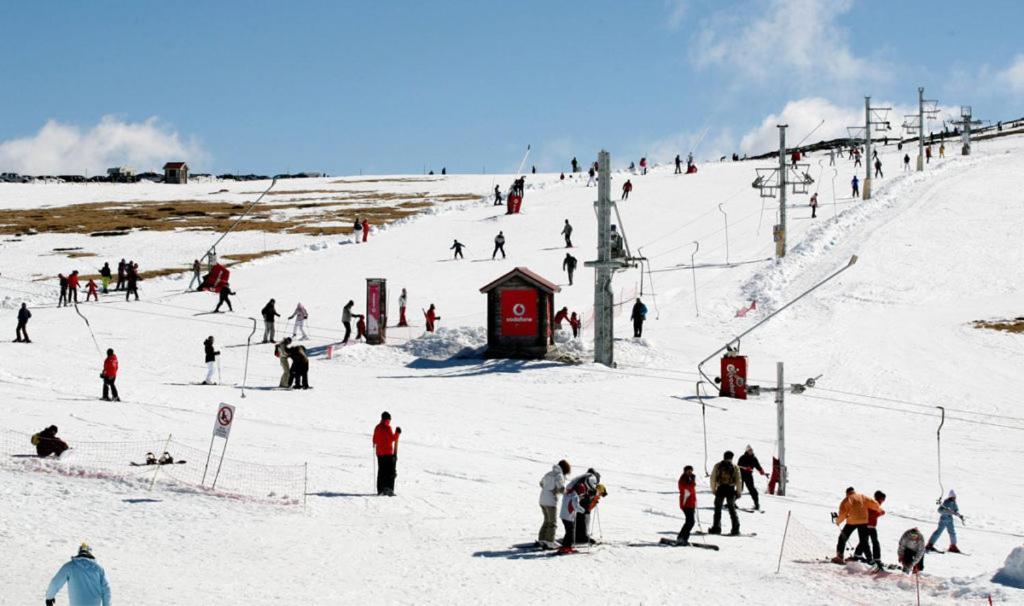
(518, 310)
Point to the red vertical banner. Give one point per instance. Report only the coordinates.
(734, 377)
(376, 310)
(518, 312)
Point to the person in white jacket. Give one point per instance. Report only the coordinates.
(300, 316)
(551, 485)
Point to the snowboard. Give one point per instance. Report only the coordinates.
(673, 543)
(724, 534)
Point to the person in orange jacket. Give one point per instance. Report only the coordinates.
(385, 445)
(91, 288)
(854, 510)
(109, 375)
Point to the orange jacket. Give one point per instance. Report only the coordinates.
(854, 509)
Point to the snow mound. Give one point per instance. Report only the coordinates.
(447, 343)
(1012, 572)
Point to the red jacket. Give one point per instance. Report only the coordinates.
(384, 438)
(873, 517)
(560, 317)
(72, 281)
(110, 367)
(431, 316)
(92, 286)
(687, 493)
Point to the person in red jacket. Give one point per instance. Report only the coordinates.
(91, 287)
(366, 229)
(73, 287)
(575, 323)
(431, 317)
(874, 550)
(561, 316)
(109, 375)
(385, 446)
(687, 502)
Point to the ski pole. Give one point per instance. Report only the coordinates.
(374, 457)
(219, 381)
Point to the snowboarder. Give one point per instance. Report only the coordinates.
(748, 463)
(569, 265)
(47, 443)
(105, 276)
(385, 447)
(854, 510)
(281, 351)
(567, 232)
(431, 317)
(855, 184)
(301, 315)
(947, 510)
(551, 485)
(109, 376)
(346, 320)
(911, 551)
(679, 165)
(269, 313)
(575, 165)
(499, 244)
(687, 502)
(814, 205)
(223, 298)
(300, 367)
(906, 162)
(120, 274)
(366, 229)
(73, 287)
(402, 301)
(561, 316)
(626, 188)
(497, 195)
(21, 332)
(574, 322)
(457, 247)
(63, 301)
(638, 315)
(643, 166)
(211, 360)
(873, 551)
(90, 291)
(727, 486)
(197, 270)
(132, 276)
(86, 581)
(878, 168)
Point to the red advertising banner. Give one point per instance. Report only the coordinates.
(734, 377)
(518, 313)
(373, 309)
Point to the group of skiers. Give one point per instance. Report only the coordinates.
(127, 279)
(579, 498)
(360, 227)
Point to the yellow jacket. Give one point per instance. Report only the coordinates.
(854, 509)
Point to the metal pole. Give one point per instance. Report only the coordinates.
(305, 483)
(938, 451)
(780, 236)
(248, 343)
(780, 412)
(866, 189)
(785, 531)
(207, 466)
(219, 463)
(604, 298)
(726, 217)
(693, 269)
(920, 128)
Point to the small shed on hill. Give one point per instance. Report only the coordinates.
(176, 172)
(519, 315)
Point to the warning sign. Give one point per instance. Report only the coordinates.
(225, 417)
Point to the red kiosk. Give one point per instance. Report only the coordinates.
(519, 315)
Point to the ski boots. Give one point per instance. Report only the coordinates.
(953, 549)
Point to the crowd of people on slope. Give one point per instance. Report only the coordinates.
(127, 280)
(579, 500)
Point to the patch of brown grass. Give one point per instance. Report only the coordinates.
(1015, 325)
(79, 254)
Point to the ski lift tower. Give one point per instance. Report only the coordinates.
(965, 123)
(772, 180)
(612, 255)
(926, 109)
(873, 116)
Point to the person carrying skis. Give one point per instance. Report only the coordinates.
(109, 376)
(86, 580)
(385, 447)
(854, 510)
(269, 312)
(300, 314)
(120, 274)
(431, 317)
(197, 270)
(687, 503)
(366, 229)
(569, 265)
(575, 324)
(499, 244)
(402, 301)
(551, 485)
(873, 551)
(638, 315)
(814, 205)
(497, 195)
(679, 165)
(878, 168)
(346, 320)
(457, 247)
(911, 551)
(211, 358)
(47, 443)
(567, 233)
(90, 291)
(300, 366)
(727, 486)
(855, 184)
(21, 332)
(946, 510)
(73, 287)
(561, 316)
(132, 275)
(748, 463)
(281, 351)
(105, 277)
(626, 188)
(63, 301)
(223, 298)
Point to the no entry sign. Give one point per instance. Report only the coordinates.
(225, 417)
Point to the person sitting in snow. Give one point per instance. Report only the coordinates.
(947, 510)
(47, 443)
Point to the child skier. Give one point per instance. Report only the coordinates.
(91, 291)
(947, 510)
(574, 322)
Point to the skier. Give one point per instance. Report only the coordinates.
(574, 322)
(831, 156)
(928, 154)
(814, 205)
(497, 195)
(581, 496)
(947, 510)
(638, 315)
(906, 162)
(551, 485)
(561, 316)
(402, 300)
(385, 447)
(854, 510)
(874, 550)
(878, 168)
(499, 244)
(590, 177)
(632, 168)
(567, 232)
(132, 275)
(360, 327)
(211, 359)
(575, 165)
(366, 229)
(300, 367)
(856, 156)
(679, 165)
(457, 247)
(105, 277)
(687, 502)
(569, 265)
(90, 291)
(224, 292)
(727, 486)
(911, 551)
(748, 463)
(86, 581)
(643, 166)
(431, 317)
(21, 332)
(626, 188)
(301, 315)
(346, 320)
(874, 154)
(120, 274)
(47, 443)
(109, 376)
(281, 351)
(73, 287)
(855, 184)
(63, 301)
(269, 313)
(197, 270)
(942, 150)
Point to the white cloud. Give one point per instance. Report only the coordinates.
(1013, 76)
(677, 10)
(60, 148)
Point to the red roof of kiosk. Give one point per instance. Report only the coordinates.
(527, 275)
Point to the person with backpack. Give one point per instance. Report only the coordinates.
(300, 315)
(687, 501)
(911, 551)
(638, 315)
(210, 355)
(47, 443)
(21, 332)
(748, 463)
(499, 244)
(569, 265)
(281, 352)
(225, 291)
(854, 511)
(551, 486)
(269, 313)
(874, 550)
(727, 486)
(86, 580)
(946, 510)
(109, 376)
(385, 448)
(567, 233)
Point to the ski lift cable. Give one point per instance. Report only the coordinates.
(938, 452)
(809, 134)
(695, 219)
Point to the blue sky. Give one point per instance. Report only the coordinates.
(386, 87)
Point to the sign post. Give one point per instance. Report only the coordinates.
(221, 428)
(376, 310)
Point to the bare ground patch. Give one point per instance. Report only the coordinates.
(1015, 325)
